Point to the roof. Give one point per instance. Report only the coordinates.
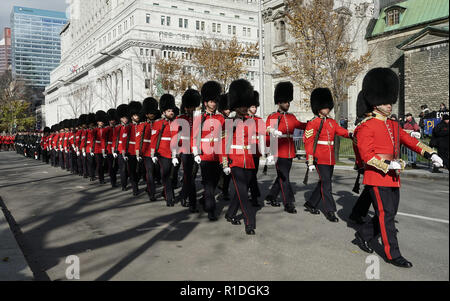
(437, 31)
(415, 12)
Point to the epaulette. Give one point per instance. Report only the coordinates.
(365, 120)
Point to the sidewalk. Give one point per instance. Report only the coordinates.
(13, 266)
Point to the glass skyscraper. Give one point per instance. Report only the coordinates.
(36, 44)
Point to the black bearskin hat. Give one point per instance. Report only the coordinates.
(150, 106)
(211, 91)
(91, 118)
(321, 98)
(122, 111)
(284, 92)
(134, 108)
(361, 106)
(381, 86)
(240, 94)
(74, 123)
(101, 116)
(223, 103)
(191, 99)
(82, 119)
(166, 102)
(47, 130)
(255, 101)
(112, 114)
(176, 111)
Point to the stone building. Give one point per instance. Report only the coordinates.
(412, 38)
(109, 48)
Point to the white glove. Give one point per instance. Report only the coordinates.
(125, 158)
(227, 171)
(66, 151)
(270, 160)
(311, 167)
(415, 135)
(84, 154)
(154, 159)
(197, 159)
(437, 161)
(115, 155)
(139, 158)
(175, 162)
(394, 166)
(92, 154)
(78, 154)
(275, 133)
(104, 155)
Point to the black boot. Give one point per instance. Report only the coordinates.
(232, 220)
(331, 217)
(362, 244)
(401, 262)
(311, 209)
(290, 209)
(212, 216)
(250, 230)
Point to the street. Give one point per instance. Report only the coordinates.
(120, 237)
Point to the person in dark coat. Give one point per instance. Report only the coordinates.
(440, 135)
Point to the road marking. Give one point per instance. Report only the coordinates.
(424, 217)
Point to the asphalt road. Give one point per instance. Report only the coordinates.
(120, 237)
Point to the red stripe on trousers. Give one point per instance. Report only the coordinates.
(240, 202)
(387, 247)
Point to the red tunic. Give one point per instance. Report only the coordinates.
(379, 140)
(209, 146)
(101, 142)
(124, 132)
(168, 133)
(287, 124)
(143, 139)
(324, 154)
(185, 138)
(89, 140)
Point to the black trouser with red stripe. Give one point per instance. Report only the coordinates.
(91, 165)
(211, 171)
(241, 178)
(254, 187)
(385, 201)
(166, 167)
(123, 167)
(99, 167)
(282, 182)
(322, 194)
(362, 205)
(188, 190)
(132, 165)
(150, 170)
(113, 167)
(61, 159)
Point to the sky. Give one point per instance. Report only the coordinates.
(7, 5)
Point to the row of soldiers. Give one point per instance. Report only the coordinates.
(7, 142)
(226, 141)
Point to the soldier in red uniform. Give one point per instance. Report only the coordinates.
(66, 146)
(237, 158)
(73, 148)
(120, 146)
(101, 143)
(134, 167)
(321, 156)
(207, 145)
(224, 109)
(143, 143)
(113, 133)
(184, 138)
(258, 142)
(89, 148)
(281, 125)
(45, 145)
(80, 137)
(379, 139)
(161, 141)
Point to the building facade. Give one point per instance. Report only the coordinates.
(36, 48)
(5, 51)
(109, 48)
(412, 38)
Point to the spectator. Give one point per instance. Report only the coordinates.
(440, 140)
(424, 114)
(443, 108)
(412, 128)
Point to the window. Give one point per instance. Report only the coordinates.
(206, 11)
(219, 28)
(168, 20)
(186, 23)
(132, 21)
(144, 67)
(147, 84)
(393, 17)
(234, 30)
(180, 22)
(163, 20)
(191, 9)
(149, 68)
(244, 31)
(229, 29)
(214, 27)
(147, 19)
(197, 25)
(153, 52)
(142, 51)
(222, 14)
(147, 52)
(125, 25)
(236, 16)
(203, 26)
(248, 32)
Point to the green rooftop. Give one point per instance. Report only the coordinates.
(413, 12)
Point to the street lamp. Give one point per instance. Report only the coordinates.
(261, 58)
(131, 73)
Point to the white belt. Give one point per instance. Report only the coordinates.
(185, 138)
(131, 142)
(110, 143)
(166, 138)
(145, 140)
(240, 147)
(120, 142)
(96, 141)
(89, 142)
(325, 142)
(287, 136)
(255, 137)
(210, 139)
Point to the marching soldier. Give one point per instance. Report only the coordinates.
(45, 146)
(134, 168)
(190, 101)
(319, 146)
(80, 140)
(161, 150)
(89, 147)
(281, 125)
(379, 139)
(206, 145)
(224, 109)
(113, 134)
(101, 142)
(237, 158)
(143, 143)
(120, 147)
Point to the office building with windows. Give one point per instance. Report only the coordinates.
(5, 51)
(110, 48)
